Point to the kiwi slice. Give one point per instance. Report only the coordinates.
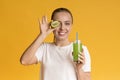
(55, 24)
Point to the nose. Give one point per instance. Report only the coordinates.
(62, 26)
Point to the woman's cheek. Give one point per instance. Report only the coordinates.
(69, 28)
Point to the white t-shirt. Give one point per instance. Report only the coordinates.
(57, 62)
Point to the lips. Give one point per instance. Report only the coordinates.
(61, 33)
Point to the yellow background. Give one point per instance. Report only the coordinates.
(97, 21)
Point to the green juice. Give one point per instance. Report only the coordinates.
(77, 49)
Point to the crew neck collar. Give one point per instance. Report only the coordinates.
(63, 46)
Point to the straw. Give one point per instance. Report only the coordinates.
(76, 37)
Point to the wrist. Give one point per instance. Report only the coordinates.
(79, 70)
(42, 35)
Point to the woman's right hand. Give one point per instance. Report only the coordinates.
(45, 26)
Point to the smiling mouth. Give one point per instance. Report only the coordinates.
(62, 33)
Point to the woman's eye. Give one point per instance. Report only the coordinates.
(67, 23)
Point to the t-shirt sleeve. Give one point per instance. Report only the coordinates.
(87, 65)
(40, 51)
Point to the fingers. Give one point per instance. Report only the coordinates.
(81, 58)
(39, 22)
(44, 19)
(45, 26)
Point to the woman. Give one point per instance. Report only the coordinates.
(56, 57)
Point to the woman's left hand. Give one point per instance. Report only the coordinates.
(81, 60)
(81, 75)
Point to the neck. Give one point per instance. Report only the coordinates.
(62, 42)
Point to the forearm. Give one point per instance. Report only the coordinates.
(29, 54)
(81, 75)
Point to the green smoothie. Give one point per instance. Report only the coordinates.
(77, 49)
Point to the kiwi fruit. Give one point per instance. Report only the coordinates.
(55, 24)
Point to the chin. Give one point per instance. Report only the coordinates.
(62, 38)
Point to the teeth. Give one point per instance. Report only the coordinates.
(62, 33)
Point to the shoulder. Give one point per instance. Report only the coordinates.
(84, 47)
(47, 44)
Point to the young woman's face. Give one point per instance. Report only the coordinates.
(62, 32)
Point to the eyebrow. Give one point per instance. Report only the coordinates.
(63, 21)
(67, 21)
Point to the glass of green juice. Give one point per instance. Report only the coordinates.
(77, 49)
